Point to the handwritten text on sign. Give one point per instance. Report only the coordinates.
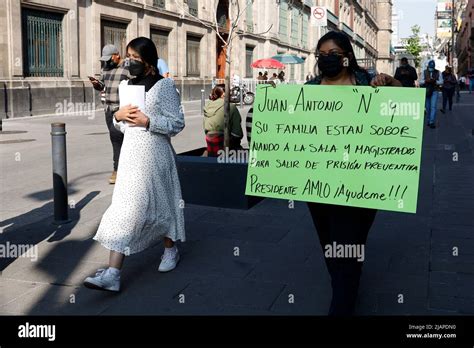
(346, 145)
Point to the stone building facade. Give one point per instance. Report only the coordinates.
(368, 24)
(50, 47)
(465, 37)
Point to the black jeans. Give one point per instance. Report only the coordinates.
(448, 97)
(342, 225)
(116, 136)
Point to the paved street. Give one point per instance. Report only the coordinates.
(278, 259)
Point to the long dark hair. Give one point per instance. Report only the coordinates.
(146, 49)
(216, 93)
(343, 42)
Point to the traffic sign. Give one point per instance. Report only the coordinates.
(319, 16)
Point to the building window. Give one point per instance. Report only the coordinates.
(222, 13)
(249, 18)
(249, 61)
(42, 43)
(193, 7)
(160, 39)
(283, 20)
(304, 31)
(295, 18)
(302, 67)
(192, 57)
(159, 3)
(114, 33)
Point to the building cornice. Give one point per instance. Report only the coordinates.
(34, 5)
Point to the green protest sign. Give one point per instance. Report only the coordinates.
(346, 145)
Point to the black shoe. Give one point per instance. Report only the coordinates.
(442, 110)
(432, 126)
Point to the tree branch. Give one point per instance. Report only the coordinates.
(216, 30)
(262, 33)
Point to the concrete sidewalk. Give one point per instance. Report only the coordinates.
(238, 262)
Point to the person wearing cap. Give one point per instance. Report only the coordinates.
(431, 79)
(113, 72)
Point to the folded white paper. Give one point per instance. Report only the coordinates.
(132, 94)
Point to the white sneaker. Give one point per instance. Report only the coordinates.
(169, 260)
(103, 280)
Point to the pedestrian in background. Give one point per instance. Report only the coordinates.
(431, 79)
(470, 76)
(113, 72)
(448, 88)
(336, 223)
(213, 123)
(248, 125)
(462, 83)
(281, 76)
(458, 93)
(406, 74)
(163, 69)
(146, 203)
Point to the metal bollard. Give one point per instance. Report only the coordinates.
(58, 141)
(202, 101)
(241, 93)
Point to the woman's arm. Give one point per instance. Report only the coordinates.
(169, 117)
(120, 126)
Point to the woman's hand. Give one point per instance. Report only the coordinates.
(139, 119)
(384, 80)
(125, 113)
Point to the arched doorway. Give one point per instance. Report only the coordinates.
(223, 20)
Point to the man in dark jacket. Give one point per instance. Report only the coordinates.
(406, 74)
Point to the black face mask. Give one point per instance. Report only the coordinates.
(136, 68)
(330, 65)
(110, 65)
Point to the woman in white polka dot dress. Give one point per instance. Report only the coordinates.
(146, 204)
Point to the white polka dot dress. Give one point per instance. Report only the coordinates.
(146, 202)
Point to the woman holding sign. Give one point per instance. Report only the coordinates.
(146, 205)
(343, 225)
